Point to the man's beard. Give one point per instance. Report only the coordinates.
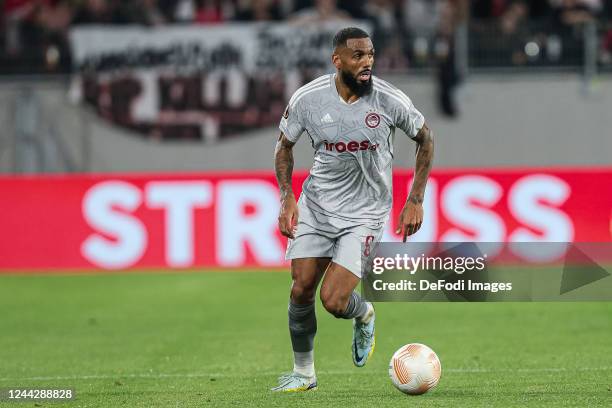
(357, 87)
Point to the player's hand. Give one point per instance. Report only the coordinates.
(288, 217)
(410, 219)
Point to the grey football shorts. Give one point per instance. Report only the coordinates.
(347, 243)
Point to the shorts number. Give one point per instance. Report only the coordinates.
(368, 242)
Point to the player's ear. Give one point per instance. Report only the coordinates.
(336, 60)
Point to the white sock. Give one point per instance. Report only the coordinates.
(367, 316)
(303, 363)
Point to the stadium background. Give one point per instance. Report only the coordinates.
(139, 135)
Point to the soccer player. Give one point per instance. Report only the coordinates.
(350, 118)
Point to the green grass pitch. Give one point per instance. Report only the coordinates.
(221, 339)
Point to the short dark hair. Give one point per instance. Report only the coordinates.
(348, 33)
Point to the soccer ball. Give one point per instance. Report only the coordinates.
(414, 369)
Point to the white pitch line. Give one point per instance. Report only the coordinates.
(323, 372)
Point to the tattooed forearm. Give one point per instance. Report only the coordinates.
(283, 164)
(424, 160)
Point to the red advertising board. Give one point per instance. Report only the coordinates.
(119, 221)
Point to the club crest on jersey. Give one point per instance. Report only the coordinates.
(372, 120)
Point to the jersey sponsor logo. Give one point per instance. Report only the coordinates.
(372, 120)
(352, 146)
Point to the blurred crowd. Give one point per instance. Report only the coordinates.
(549, 32)
(403, 29)
(30, 24)
(407, 34)
(55, 15)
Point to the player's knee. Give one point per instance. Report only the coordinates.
(334, 304)
(301, 293)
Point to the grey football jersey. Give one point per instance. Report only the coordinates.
(351, 175)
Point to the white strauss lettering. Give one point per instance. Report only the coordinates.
(179, 199)
(243, 226)
(120, 236)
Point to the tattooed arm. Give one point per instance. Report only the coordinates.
(283, 165)
(411, 217)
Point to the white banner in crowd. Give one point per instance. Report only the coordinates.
(194, 82)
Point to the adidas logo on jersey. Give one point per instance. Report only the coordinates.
(327, 118)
